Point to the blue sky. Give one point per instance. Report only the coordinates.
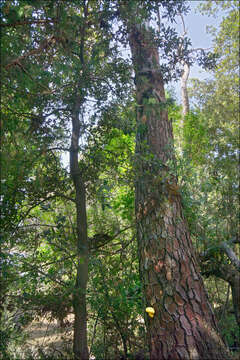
(196, 24)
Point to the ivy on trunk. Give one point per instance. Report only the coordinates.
(184, 326)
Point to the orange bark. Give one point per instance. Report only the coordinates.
(184, 326)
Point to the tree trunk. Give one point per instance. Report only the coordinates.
(235, 287)
(184, 92)
(184, 326)
(80, 347)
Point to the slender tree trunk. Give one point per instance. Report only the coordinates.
(184, 91)
(80, 347)
(235, 287)
(184, 326)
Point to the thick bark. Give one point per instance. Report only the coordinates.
(80, 347)
(184, 326)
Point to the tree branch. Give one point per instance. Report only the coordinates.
(104, 239)
(230, 254)
(34, 267)
(28, 22)
(224, 247)
(44, 44)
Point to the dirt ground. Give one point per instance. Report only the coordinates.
(48, 335)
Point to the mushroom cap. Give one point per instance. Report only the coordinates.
(150, 311)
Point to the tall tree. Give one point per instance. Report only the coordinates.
(59, 67)
(182, 325)
(221, 163)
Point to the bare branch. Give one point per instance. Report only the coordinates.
(206, 255)
(28, 22)
(159, 19)
(199, 49)
(231, 255)
(106, 238)
(183, 24)
(57, 148)
(65, 197)
(44, 44)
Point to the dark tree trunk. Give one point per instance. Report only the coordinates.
(80, 347)
(235, 287)
(184, 326)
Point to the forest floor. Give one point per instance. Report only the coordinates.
(46, 335)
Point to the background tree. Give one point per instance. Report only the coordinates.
(50, 48)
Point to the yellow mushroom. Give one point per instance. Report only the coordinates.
(150, 311)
